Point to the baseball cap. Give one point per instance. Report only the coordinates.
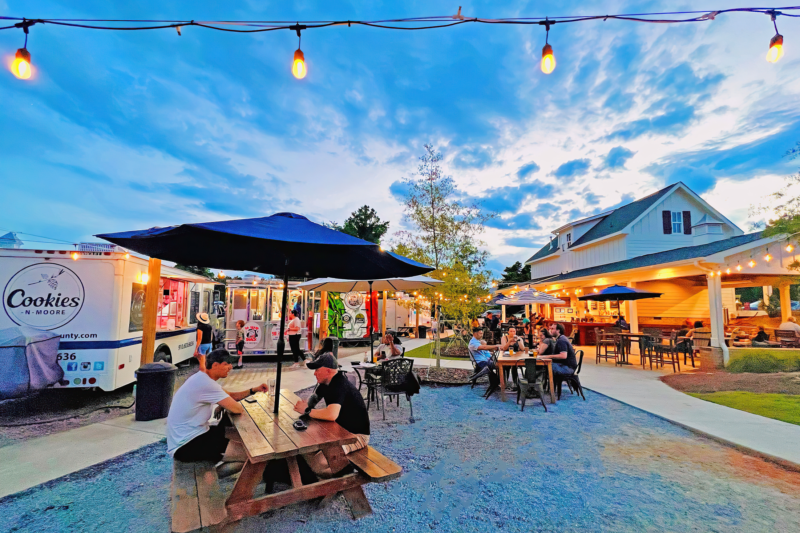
(325, 360)
(219, 356)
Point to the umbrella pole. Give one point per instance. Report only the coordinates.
(281, 342)
(371, 308)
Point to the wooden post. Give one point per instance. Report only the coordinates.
(323, 315)
(502, 313)
(150, 311)
(416, 313)
(786, 303)
(383, 313)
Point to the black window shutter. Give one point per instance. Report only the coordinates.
(666, 217)
(687, 222)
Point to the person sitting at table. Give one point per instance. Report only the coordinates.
(761, 336)
(190, 437)
(622, 323)
(343, 405)
(546, 342)
(480, 352)
(791, 325)
(513, 321)
(563, 356)
(388, 349)
(511, 341)
(697, 325)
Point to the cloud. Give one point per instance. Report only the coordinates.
(473, 158)
(400, 190)
(510, 198)
(571, 169)
(522, 242)
(617, 158)
(526, 170)
(673, 122)
(518, 221)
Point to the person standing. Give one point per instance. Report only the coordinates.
(293, 329)
(203, 345)
(240, 341)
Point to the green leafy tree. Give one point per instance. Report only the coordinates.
(516, 273)
(445, 234)
(200, 271)
(786, 206)
(363, 223)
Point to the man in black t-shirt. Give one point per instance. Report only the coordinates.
(563, 356)
(344, 405)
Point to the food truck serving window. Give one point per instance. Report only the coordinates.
(172, 299)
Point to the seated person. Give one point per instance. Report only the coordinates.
(480, 351)
(527, 329)
(697, 325)
(622, 323)
(344, 405)
(190, 437)
(546, 342)
(761, 336)
(513, 321)
(563, 356)
(791, 325)
(388, 349)
(512, 341)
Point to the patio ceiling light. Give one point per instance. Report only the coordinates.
(21, 66)
(751, 264)
(727, 270)
(767, 257)
(738, 267)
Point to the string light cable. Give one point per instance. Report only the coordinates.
(22, 66)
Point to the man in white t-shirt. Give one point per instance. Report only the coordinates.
(190, 437)
(791, 325)
(293, 329)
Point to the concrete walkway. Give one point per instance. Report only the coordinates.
(39, 460)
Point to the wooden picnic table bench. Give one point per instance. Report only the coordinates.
(199, 503)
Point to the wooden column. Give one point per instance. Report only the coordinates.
(417, 309)
(383, 313)
(786, 303)
(323, 315)
(503, 313)
(150, 311)
(632, 314)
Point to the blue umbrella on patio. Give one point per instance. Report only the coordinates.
(284, 244)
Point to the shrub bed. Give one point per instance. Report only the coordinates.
(764, 360)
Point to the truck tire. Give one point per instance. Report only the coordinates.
(162, 354)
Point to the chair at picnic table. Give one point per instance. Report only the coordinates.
(666, 352)
(701, 340)
(572, 381)
(531, 382)
(603, 341)
(393, 382)
(788, 338)
(646, 344)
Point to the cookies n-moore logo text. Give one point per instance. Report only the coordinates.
(43, 296)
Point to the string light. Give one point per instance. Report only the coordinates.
(767, 257)
(21, 66)
(738, 267)
(299, 63)
(595, 290)
(728, 270)
(127, 256)
(789, 247)
(548, 64)
(221, 274)
(75, 256)
(719, 272)
(751, 264)
(776, 43)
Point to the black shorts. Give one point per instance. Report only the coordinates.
(210, 446)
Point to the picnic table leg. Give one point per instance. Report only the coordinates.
(359, 505)
(552, 383)
(294, 472)
(502, 382)
(245, 486)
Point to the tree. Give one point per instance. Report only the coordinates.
(445, 235)
(516, 273)
(200, 271)
(363, 223)
(786, 206)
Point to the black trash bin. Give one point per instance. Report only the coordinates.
(423, 332)
(335, 341)
(154, 385)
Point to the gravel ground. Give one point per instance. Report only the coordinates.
(475, 465)
(700, 382)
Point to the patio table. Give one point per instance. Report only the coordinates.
(506, 360)
(267, 436)
(627, 336)
(358, 366)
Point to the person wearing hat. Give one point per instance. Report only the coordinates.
(527, 331)
(344, 405)
(190, 437)
(203, 344)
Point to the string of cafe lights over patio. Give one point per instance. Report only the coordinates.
(22, 66)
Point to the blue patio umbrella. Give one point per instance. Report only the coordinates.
(284, 244)
(620, 293)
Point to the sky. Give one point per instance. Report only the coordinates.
(129, 130)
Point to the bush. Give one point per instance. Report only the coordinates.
(764, 361)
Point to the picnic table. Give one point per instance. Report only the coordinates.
(506, 360)
(267, 437)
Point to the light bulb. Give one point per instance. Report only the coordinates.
(738, 268)
(789, 247)
(711, 274)
(751, 264)
(299, 65)
(728, 271)
(21, 66)
(127, 256)
(548, 59)
(145, 278)
(775, 49)
(767, 258)
(595, 290)
(719, 272)
(75, 256)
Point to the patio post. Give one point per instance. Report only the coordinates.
(383, 314)
(370, 325)
(633, 311)
(786, 302)
(323, 318)
(716, 316)
(503, 313)
(150, 311)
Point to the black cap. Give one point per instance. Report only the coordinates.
(219, 356)
(326, 360)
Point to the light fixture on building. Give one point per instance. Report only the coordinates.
(711, 274)
(75, 256)
(727, 270)
(751, 264)
(221, 274)
(767, 257)
(145, 278)
(127, 256)
(738, 267)
(719, 272)
(789, 247)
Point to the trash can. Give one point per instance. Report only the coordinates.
(154, 385)
(423, 332)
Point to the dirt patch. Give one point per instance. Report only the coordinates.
(700, 382)
(456, 351)
(448, 376)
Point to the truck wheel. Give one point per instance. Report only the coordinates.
(162, 354)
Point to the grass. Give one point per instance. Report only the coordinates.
(425, 353)
(764, 360)
(783, 407)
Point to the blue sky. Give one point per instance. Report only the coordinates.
(123, 130)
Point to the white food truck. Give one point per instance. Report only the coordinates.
(93, 298)
(257, 302)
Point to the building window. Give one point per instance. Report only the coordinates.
(569, 239)
(677, 222)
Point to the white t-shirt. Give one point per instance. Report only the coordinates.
(793, 326)
(294, 326)
(192, 407)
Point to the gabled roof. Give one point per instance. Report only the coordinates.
(548, 249)
(621, 217)
(670, 256)
(705, 219)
